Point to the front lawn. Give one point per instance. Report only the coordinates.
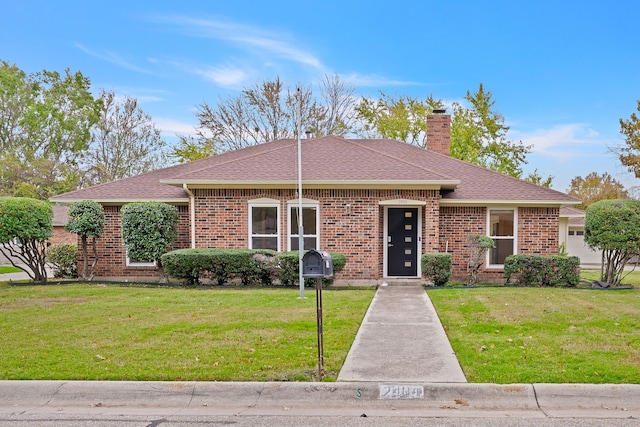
(4, 269)
(501, 335)
(94, 332)
(543, 335)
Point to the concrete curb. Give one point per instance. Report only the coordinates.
(556, 400)
(344, 398)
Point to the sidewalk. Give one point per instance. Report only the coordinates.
(401, 339)
(14, 277)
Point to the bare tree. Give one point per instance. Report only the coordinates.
(339, 106)
(267, 111)
(124, 143)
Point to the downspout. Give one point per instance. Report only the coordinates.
(192, 212)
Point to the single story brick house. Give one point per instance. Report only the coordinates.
(382, 203)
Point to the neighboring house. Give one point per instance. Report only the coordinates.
(60, 234)
(382, 203)
(572, 235)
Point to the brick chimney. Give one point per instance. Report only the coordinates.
(439, 132)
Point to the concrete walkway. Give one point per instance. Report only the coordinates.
(401, 339)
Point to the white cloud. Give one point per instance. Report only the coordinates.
(226, 76)
(170, 127)
(374, 80)
(251, 38)
(563, 142)
(112, 58)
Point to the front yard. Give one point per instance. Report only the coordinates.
(94, 332)
(110, 332)
(543, 335)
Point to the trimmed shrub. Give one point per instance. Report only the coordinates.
(252, 267)
(613, 226)
(86, 219)
(148, 231)
(27, 221)
(479, 245)
(221, 265)
(535, 270)
(63, 258)
(436, 267)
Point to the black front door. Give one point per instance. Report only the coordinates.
(402, 242)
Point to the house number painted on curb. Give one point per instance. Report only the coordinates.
(401, 392)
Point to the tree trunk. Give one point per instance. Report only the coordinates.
(95, 260)
(85, 257)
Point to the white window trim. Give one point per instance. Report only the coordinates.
(264, 203)
(306, 203)
(514, 237)
(130, 263)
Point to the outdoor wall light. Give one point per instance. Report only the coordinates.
(347, 208)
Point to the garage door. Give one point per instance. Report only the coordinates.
(577, 247)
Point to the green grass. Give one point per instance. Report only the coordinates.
(630, 277)
(500, 335)
(93, 332)
(4, 269)
(544, 335)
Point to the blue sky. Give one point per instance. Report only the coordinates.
(561, 72)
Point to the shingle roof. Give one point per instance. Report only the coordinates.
(60, 215)
(330, 162)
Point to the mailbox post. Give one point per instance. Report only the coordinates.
(318, 265)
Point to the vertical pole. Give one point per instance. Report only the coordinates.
(300, 226)
(320, 333)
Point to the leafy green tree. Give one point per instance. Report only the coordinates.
(124, 142)
(148, 231)
(629, 155)
(402, 118)
(25, 226)
(535, 178)
(478, 132)
(45, 122)
(613, 226)
(86, 219)
(594, 187)
(478, 136)
(190, 149)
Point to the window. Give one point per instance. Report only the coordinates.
(139, 263)
(310, 224)
(502, 231)
(263, 227)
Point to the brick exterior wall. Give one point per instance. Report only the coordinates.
(456, 223)
(538, 233)
(61, 235)
(111, 251)
(222, 220)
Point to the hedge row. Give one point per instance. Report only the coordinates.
(535, 270)
(251, 267)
